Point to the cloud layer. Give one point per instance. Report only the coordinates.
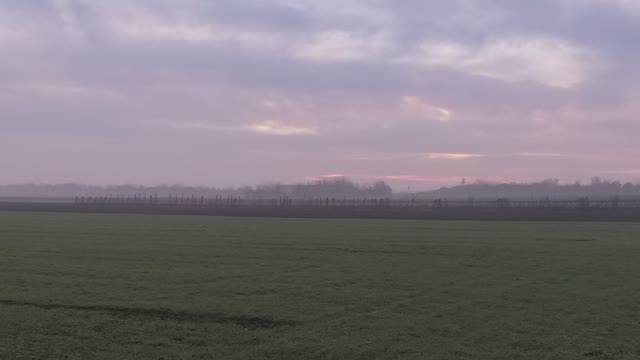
(240, 92)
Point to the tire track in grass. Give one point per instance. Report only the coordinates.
(247, 322)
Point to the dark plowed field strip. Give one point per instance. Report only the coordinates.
(456, 214)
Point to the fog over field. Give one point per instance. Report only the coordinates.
(415, 93)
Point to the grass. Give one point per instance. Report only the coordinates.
(171, 287)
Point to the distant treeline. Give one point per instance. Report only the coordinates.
(551, 188)
(334, 188)
(341, 188)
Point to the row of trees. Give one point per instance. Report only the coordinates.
(341, 188)
(597, 188)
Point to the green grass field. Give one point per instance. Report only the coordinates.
(170, 287)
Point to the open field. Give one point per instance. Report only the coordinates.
(83, 286)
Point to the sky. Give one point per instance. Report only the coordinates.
(419, 93)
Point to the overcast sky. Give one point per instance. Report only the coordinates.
(418, 92)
